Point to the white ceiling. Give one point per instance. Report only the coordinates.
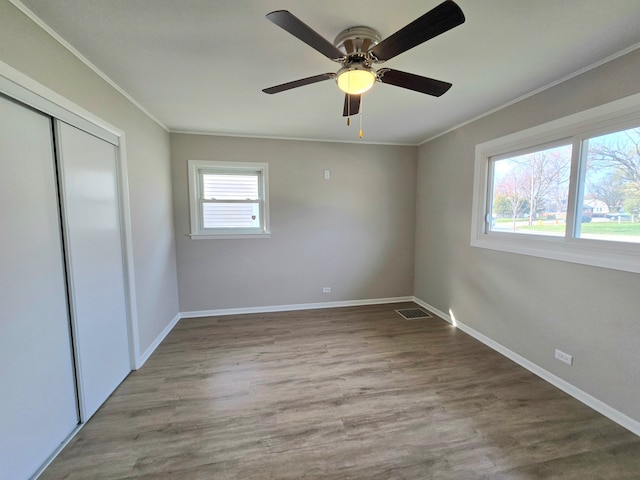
(200, 65)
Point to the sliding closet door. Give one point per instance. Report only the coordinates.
(38, 408)
(88, 167)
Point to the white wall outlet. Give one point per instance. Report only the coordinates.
(326, 289)
(327, 174)
(564, 357)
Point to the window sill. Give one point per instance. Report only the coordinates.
(618, 256)
(613, 253)
(229, 236)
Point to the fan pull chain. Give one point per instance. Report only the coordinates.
(361, 102)
(348, 110)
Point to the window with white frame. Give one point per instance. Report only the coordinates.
(530, 190)
(566, 190)
(228, 199)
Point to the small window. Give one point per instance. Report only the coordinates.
(228, 200)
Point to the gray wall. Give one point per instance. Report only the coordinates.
(354, 232)
(29, 49)
(530, 305)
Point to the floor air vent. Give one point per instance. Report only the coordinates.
(413, 313)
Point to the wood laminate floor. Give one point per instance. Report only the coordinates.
(346, 393)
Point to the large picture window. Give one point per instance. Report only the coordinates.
(228, 199)
(566, 190)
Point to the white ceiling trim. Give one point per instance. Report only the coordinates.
(268, 137)
(38, 21)
(30, 14)
(24, 9)
(537, 90)
(24, 89)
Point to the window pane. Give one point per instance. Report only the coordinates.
(611, 186)
(230, 186)
(529, 193)
(231, 215)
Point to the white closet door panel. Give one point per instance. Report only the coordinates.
(38, 408)
(94, 241)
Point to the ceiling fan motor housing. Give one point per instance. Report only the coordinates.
(356, 75)
(356, 40)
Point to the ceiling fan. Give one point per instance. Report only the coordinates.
(357, 49)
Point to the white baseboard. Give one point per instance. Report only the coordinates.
(599, 406)
(56, 452)
(140, 361)
(151, 348)
(433, 309)
(287, 308)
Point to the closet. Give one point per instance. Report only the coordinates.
(64, 340)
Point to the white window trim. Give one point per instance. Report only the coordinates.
(599, 253)
(194, 204)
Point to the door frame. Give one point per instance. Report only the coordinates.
(20, 87)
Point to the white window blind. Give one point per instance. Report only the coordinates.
(230, 186)
(228, 199)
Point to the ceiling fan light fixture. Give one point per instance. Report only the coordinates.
(355, 80)
(357, 49)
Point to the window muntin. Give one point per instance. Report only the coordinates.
(579, 243)
(610, 186)
(529, 191)
(228, 199)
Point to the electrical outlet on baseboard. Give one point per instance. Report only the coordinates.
(326, 289)
(564, 357)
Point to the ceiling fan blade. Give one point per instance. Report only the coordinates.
(299, 83)
(436, 21)
(417, 83)
(351, 105)
(289, 22)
